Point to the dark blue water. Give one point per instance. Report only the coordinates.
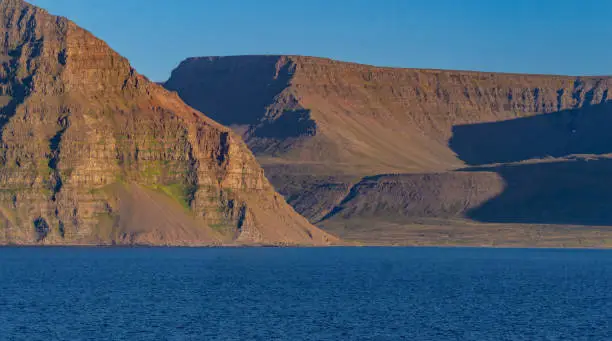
(305, 294)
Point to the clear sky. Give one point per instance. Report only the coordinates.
(527, 36)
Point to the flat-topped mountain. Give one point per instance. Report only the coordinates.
(353, 145)
(91, 152)
(377, 119)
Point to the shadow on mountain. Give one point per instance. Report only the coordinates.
(293, 123)
(584, 130)
(238, 90)
(574, 192)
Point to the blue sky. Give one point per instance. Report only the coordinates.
(526, 36)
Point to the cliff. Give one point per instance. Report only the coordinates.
(365, 118)
(93, 153)
(346, 142)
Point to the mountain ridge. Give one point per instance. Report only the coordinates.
(377, 66)
(307, 97)
(94, 153)
(322, 128)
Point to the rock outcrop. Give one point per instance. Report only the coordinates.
(346, 142)
(368, 119)
(93, 153)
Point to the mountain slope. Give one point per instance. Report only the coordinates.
(324, 129)
(368, 119)
(93, 153)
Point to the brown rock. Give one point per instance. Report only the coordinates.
(93, 153)
(365, 119)
(353, 145)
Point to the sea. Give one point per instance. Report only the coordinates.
(344, 293)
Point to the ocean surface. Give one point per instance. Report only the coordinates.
(305, 294)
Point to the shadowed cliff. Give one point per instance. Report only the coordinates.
(558, 134)
(574, 192)
(366, 119)
(565, 192)
(422, 130)
(264, 78)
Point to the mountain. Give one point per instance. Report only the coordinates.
(93, 153)
(420, 156)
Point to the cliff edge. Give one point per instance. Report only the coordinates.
(91, 152)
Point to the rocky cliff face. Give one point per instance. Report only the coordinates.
(369, 119)
(93, 153)
(345, 142)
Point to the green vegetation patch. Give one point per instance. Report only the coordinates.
(43, 168)
(152, 169)
(181, 193)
